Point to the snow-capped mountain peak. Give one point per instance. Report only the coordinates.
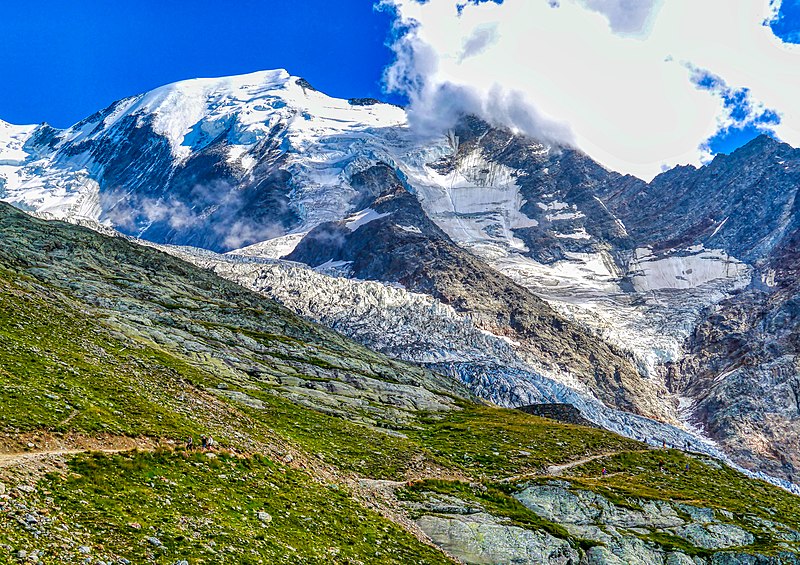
(171, 159)
(190, 112)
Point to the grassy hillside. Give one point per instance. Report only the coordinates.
(165, 506)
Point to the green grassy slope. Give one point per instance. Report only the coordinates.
(165, 506)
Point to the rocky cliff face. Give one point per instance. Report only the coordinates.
(744, 203)
(739, 378)
(557, 188)
(743, 368)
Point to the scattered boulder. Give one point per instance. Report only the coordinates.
(264, 517)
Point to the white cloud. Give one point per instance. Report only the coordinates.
(617, 78)
(626, 17)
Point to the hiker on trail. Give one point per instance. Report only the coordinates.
(664, 444)
(661, 465)
(204, 441)
(604, 471)
(190, 443)
(210, 442)
(687, 468)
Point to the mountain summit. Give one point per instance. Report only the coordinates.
(207, 162)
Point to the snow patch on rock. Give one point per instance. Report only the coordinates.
(272, 248)
(691, 268)
(362, 218)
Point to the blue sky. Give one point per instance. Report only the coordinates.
(61, 61)
(787, 27)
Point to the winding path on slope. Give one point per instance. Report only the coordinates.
(558, 470)
(18, 459)
(29, 448)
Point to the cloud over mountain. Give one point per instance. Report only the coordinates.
(639, 86)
